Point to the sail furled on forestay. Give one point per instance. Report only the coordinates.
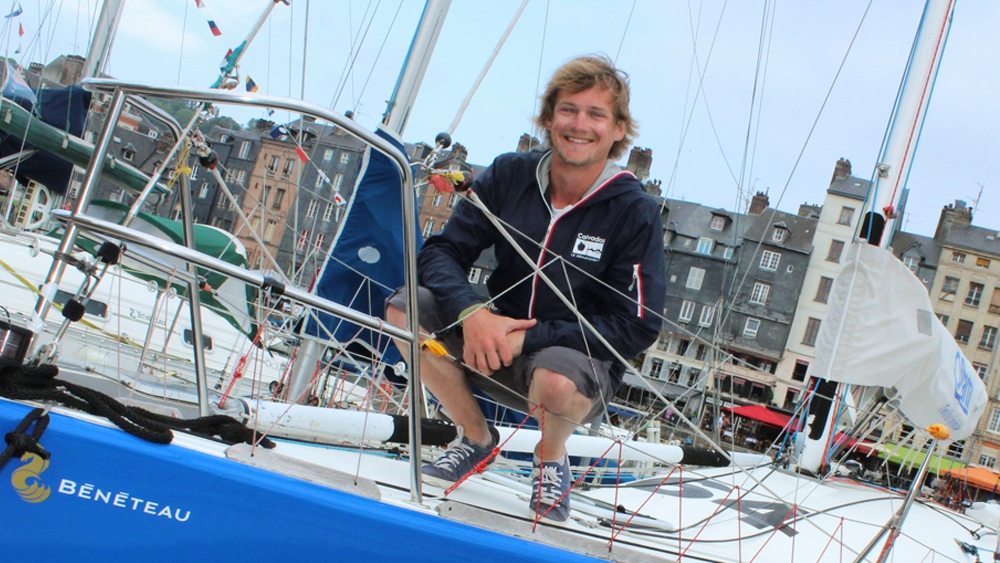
(881, 330)
(365, 264)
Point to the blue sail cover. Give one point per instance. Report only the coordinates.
(366, 258)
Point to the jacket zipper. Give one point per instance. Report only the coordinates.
(637, 286)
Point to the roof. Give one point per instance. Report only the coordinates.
(974, 238)
(978, 477)
(693, 219)
(800, 229)
(851, 186)
(925, 246)
(762, 414)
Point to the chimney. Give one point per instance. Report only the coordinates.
(526, 143)
(841, 170)
(653, 188)
(957, 215)
(263, 126)
(639, 162)
(759, 203)
(810, 210)
(459, 152)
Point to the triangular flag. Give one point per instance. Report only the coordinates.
(215, 29)
(199, 3)
(20, 30)
(251, 85)
(338, 199)
(225, 60)
(302, 154)
(18, 50)
(17, 12)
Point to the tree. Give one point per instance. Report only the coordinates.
(183, 111)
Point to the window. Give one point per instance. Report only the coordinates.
(452, 201)
(956, 449)
(203, 192)
(911, 262)
(943, 318)
(846, 214)
(428, 228)
(255, 224)
(345, 158)
(328, 211)
(93, 306)
(682, 345)
(994, 423)
(836, 248)
(436, 202)
(230, 175)
(128, 154)
(289, 167)
(987, 461)
(695, 277)
(718, 223)
(958, 257)
(319, 240)
(279, 198)
(759, 294)
(686, 312)
(474, 274)
(338, 213)
(989, 337)
(224, 138)
(950, 285)
(963, 331)
(327, 155)
(705, 245)
(982, 263)
(337, 181)
(303, 239)
(995, 302)
(801, 368)
(823, 291)
(980, 370)
(194, 171)
(269, 230)
(779, 234)
(656, 368)
(313, 207)
(241, 177)
(975, 293)
(812, 329)
(320, 177)
(702, 352)
(751, 327)
(769, 260)
(727, 253)
(707, 315)
(273, 165)
(244, 149)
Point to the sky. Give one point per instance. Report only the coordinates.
(756, 121)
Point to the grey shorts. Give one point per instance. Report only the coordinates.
(591, 376)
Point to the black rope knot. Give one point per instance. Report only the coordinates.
(20, 441)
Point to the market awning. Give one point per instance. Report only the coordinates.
(761, 414)
(978, 477)
(913, 458)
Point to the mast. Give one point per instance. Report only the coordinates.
(104, 37)
(412, 75)
(879, 211)
(896, 156)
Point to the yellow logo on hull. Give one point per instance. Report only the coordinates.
(27, 479)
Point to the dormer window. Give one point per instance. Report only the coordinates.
(779, 234)
(718, 223)
(705, 245)
(128, 152)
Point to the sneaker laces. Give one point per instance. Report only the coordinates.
(457, 452)
(551, 476)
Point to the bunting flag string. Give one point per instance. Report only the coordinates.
(15, 12)
(215, 29)
(279, 131)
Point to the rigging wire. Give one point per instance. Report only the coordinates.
(625, 32)
(378, 56)
(180, 59)
(541, 56)
(356, 42)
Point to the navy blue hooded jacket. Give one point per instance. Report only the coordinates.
(613, 234)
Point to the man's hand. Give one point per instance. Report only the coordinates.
(492, 341)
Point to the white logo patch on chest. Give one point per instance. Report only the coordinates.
(588, 247)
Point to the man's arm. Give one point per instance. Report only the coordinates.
(627, 327)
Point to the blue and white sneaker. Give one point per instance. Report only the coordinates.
(459, 459)
(554, 490)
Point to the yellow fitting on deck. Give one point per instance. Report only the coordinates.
(939, 431)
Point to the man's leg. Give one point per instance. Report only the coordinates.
(558, 395)
(446, 380)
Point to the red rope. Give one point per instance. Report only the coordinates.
(709, 519)
(794, 509)
(482, 465)
(636, 511)
(839, 527)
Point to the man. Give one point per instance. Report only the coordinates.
(595, 233)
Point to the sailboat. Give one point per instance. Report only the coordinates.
(347, 483)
